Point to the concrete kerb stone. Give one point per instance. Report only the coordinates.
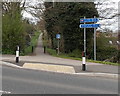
(48, 67)
(108, 75)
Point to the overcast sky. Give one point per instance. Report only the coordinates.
(107, 9)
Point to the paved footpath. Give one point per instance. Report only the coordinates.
(45, 59)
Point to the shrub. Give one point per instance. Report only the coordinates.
(106, 53)
(76, 53)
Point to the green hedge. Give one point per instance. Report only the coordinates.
(106, 53)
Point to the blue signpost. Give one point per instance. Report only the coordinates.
(58, 36)
(89, 25)
(58, 49)
(88, 20)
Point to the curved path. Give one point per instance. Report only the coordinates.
(40, 57)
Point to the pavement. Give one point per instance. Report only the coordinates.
(41, 61)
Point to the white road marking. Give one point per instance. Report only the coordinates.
(10, 64)
(5, 92)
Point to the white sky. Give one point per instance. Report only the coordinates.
(112, 6)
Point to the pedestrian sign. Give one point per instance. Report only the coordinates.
(58, 36)
(89, 20)
(89, 25)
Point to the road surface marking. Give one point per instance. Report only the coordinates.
(10, 64)
(5, 92)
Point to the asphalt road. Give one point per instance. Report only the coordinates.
(27, 81)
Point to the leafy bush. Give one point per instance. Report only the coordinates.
(76, 53)
(106, 53)
(105, 50)
(13, 29)
(6, 51)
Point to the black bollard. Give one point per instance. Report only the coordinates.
(17, 59)
(44, 49)
(17, 55)
(32, 49)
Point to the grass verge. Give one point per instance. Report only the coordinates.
(66, 56)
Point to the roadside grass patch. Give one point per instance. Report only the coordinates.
(67, 56)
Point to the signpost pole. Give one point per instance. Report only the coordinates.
(84, 39)
(94, 42)
(84, 57)
(53, 3)
(88, 26)
(58, 43)
(58, 48)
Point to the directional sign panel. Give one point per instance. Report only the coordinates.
(58, 36)
(89, 20)
(89, 25)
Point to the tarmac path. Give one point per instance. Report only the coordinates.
(42, 58)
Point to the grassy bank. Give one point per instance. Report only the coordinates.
(66, 56)
(34, 40)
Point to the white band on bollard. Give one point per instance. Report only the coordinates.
(17, 53)
(83, 60)
(18, 48)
